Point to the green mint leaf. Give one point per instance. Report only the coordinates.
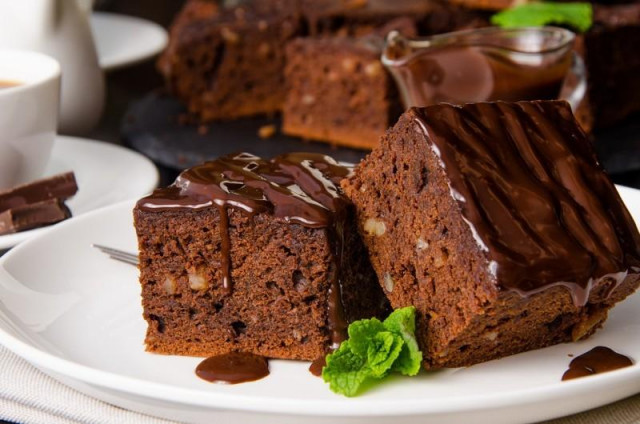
(361, 332)
(345, 371)
(574, 15)
(373, 350)
(384, 349)
(403, 322)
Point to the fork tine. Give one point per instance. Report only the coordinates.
(124, 259)
(118, 255)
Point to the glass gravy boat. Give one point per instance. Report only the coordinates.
(485, 65)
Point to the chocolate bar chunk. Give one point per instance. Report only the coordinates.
(61, 186)
(33, 215)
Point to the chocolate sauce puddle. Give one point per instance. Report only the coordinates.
(598, 360)
(233, 368)
(299, 188)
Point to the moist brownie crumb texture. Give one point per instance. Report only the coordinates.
(338, 90)
(245, 254)
(497, 222)
(229, 63)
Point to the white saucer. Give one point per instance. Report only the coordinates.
(77, 316)
(124, 40)
(105, 173)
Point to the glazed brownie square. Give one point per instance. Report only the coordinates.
(496, 221)
(230, 65)
(241, 255)
(337, 89)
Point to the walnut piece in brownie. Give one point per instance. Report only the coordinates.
(496, 221)
(252, 255)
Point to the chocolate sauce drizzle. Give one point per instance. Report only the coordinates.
(598, 360)
(531, 189)
(317, 365)
(299, 188)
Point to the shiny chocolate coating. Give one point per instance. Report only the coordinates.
(535, 197)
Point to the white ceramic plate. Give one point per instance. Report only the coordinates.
(77, 316)
(124, 40)
(105, 173)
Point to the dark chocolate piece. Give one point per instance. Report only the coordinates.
(61, 186)
(33, 215)
(598, 360)
(233, 368)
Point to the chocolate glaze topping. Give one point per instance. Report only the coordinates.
(233, 368)
(299, 188)
(534, 195)
(598, 360)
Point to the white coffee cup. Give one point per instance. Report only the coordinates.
(28, 114)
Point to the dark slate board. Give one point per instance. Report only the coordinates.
(152, 127)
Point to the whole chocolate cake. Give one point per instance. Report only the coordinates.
(498, 223)
(252, 255)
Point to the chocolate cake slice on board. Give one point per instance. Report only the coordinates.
(252, 255)
(498, 223)
(229, 63)
(338, 92)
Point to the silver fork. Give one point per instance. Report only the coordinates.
(118, 255)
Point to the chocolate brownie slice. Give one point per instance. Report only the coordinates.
(498, 223)
(252, 255)
(610, 51)
(230, 64)
(192, 11)
(337, 89)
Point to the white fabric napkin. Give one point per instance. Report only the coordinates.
(28, 396)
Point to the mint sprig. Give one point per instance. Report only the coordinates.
(374, 349)
(578, 16)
